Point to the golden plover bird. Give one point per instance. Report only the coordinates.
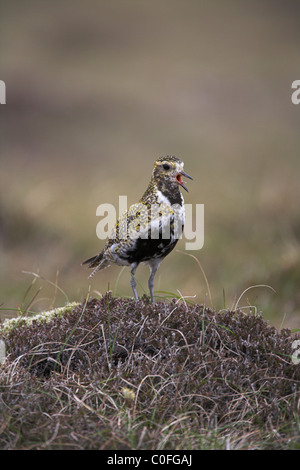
(150, 229)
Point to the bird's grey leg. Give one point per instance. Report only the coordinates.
(132, 280)
(153, 268)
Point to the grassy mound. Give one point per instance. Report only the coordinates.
(118, 374)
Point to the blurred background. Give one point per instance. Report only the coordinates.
(97, 90)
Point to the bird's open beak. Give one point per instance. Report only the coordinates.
(180, 181)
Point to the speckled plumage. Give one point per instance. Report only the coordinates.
(147, 232)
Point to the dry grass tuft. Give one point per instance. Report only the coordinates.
(115, 374)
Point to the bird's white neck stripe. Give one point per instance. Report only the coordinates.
(163, 199)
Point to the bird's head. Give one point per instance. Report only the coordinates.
(168, 171)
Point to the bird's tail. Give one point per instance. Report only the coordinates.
(97, 262)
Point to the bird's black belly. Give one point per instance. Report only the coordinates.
(146, 249)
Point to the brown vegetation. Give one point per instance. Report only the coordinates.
(115, 374)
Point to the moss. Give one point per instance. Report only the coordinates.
(10, 324)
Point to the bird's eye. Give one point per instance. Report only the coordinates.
(166, 166)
